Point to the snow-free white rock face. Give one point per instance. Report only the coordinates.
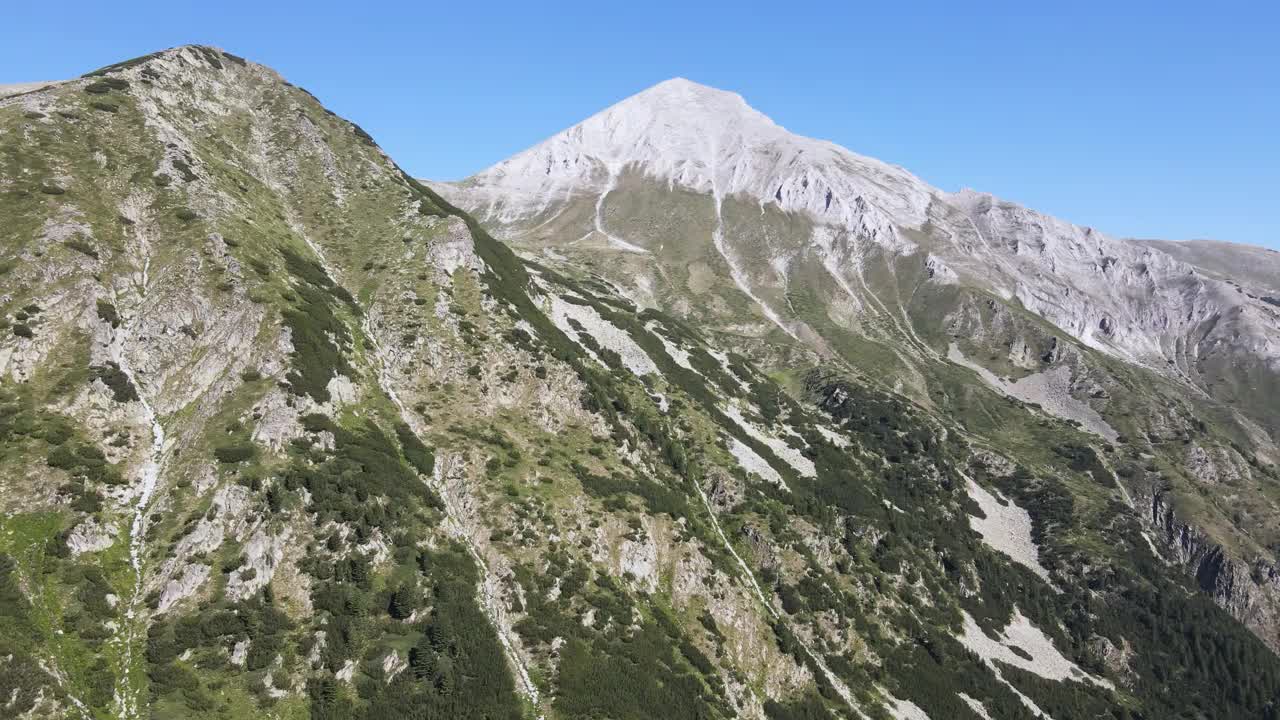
(790, 455)
(604, 332)
(1049, 389)
(752, 463)
(1255, 268)
(1125, 298)
(706, 140)
(1129, 299)
(976, 706)
(91, 536)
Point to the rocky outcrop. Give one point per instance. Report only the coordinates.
(1250, 591)
(724, 491)
(90, 536)
(183, 586)
(1116, 659)
(262, 554)
(1215, 465)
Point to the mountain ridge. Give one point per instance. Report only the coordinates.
(284, 433)
(725, 148)
(673, 98)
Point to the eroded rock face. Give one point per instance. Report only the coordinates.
(183, 586)
(239, 653)
(1114, 658)
(761, 549)
(393, 664)
(723, 490)
(90, 536)
(1215, 466)
(1250, 591)
(262, 554)
(1132, 300)
(639, 560)
(1070, 275)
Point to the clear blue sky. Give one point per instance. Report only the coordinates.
(1147, 119)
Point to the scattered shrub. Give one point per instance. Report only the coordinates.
(320, 337)
(183, 166)
(363, 136)
(79, 245)
(210, 56)
(418, 455)
(122, 389)
(236, 452)
(103, 71)
(259, 267)
(84, 461)
(107, 313)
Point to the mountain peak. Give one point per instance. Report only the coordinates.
(675, 122)
(681, 84)
(684, 94)
(701, 138)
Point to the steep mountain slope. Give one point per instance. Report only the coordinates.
(1251, 269)
(806, 254)
(849, 211)
(285, 434)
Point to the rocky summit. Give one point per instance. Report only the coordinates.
(675, 415)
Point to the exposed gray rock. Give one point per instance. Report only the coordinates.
(1250, 591)
(262, 554)
(90, 536)
(1216, 465)
(240, 652)
(183, 586)
(723, 489)
(392, 665)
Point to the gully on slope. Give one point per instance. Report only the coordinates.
(148, 477)
(489, 603)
